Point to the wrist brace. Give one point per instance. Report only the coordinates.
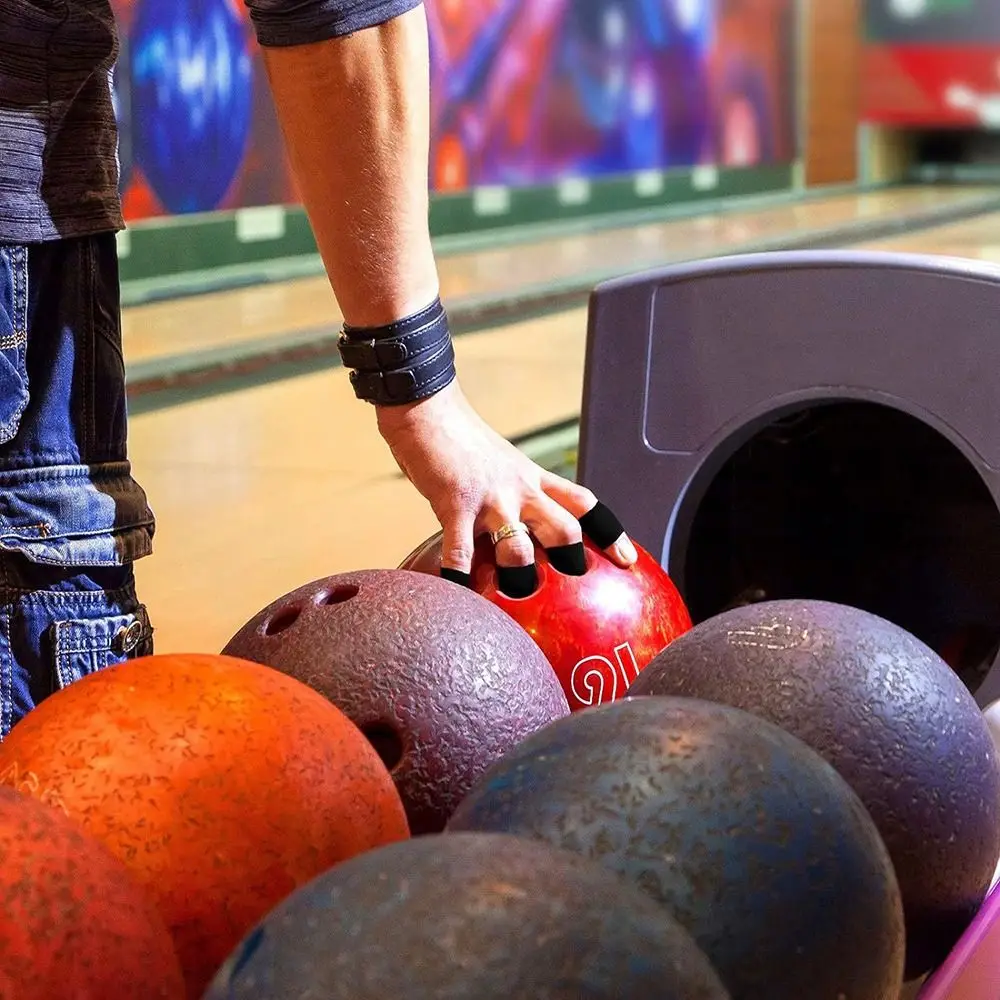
(403, 362)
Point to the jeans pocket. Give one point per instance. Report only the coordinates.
(13, 338)
(85, 646)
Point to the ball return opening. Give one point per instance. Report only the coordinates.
(810, 424)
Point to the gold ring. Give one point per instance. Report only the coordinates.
(508, 531)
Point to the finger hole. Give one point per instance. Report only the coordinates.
(570, 560)
(517, 582)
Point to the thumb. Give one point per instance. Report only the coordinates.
(457, 547)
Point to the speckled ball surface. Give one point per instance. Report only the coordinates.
(748, 837)
(73, 924)
(222, 785)
(890, 715)
(443, 682)
(468, 917)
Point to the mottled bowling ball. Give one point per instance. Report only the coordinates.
(598, 630)
(191, 79)
(222, 785)
(468, 917)
(73, 924)
(442, 682)
(890, 715)
(748, 837)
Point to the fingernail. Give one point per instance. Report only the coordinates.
(625, 550)
(517, 581)
(568, 559)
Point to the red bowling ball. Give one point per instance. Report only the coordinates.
(598, 630)
(74, 925)
(221, 785)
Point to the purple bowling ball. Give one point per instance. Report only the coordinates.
(441, 681)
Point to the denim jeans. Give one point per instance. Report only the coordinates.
(72, 518)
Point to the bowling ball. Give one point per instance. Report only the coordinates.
(441, 681)
(890, 716)
(222, 785)
(751, 840)
(73, 924)
(597, 630)
(192, 99)
(468, 917)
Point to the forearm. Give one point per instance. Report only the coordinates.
(354, 111)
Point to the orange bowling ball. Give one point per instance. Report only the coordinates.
(74, 925)
(223, 785)
(597, 630)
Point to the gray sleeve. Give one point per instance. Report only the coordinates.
(299, 22)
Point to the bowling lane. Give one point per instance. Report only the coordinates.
(978, 239)
(293, 310)
(261, 490)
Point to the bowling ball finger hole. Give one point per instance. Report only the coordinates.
(388, 744)
(338, 595)
(282, 621)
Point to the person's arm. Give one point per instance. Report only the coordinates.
(350, 80)
(354, 111)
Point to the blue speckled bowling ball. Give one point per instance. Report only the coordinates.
(192, 99)
(894, 720)
(468, 917)
(757, 846)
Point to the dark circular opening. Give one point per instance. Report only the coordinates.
(284, 619)
(338, 595)
(516, 583)
(860, 504)
(387, 742)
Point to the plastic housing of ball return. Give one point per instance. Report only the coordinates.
(972, 971)
(687, 363)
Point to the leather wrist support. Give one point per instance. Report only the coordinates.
(403, 362)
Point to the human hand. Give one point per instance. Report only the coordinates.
(476, 482)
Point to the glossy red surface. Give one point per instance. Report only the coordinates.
(597, 630)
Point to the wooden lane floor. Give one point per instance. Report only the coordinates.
(261, 490)
(161, 333)
(977, 238)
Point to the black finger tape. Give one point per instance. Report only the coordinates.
(601, 526)
(568, 559)
(517, 581)
(456, 576)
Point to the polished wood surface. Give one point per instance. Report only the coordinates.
(224, 319)
(260, 491)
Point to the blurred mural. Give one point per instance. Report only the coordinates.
(523, 92)
(932, 63)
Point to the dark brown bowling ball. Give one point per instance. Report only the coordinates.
(468, 917)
